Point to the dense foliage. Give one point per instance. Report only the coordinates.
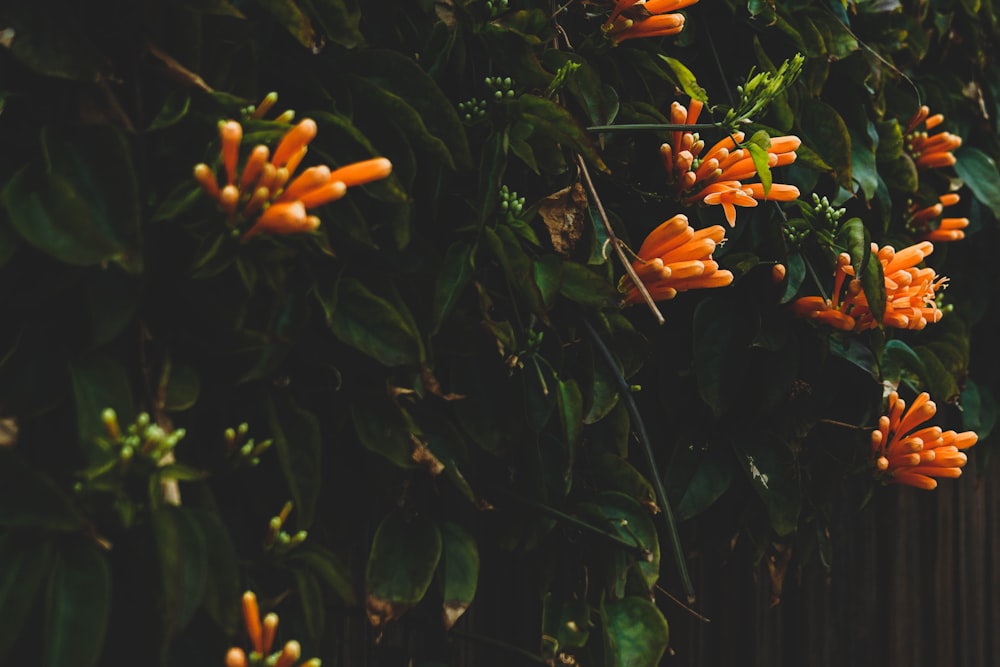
(360, 419)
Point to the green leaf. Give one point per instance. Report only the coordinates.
(558, 124)
(548, 274)
(900, 174)
(570, 403)
(174, 109)
(620, 475)
(708, 482)
(454, 277)
(635, 632)
(940, 382)
(181, 389)
(773, 474)
(401, 565)
(383, 429)
(586, 287)
(25, 562)
(760, 157)
(979, 172)
(686, 79)
(565, 625)
(863, 170)
(626, 518)
(328, 568)
(400, 76)
(719, 339)
(372, 325)
(338, 19)
(99, 382)
(517, 267)
(459, 571)
(298, 443)
(825, 132)
(82, 206)
(900, 363)
(29, 497)
(979, 411)
(183, 559)
(291, 17)
(311, 599)
(796, 273)
(51, 42)
(78, 606)
(854, 239)
(222, 583)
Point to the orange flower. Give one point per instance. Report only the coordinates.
(910, 293)
(923, 221)
(930, 150)
(675, 258)
(262, 636)
(266, 191)
(631, 19)
(905, 454)
(716, 177)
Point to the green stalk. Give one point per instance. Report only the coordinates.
(625, 392)
(652, 127)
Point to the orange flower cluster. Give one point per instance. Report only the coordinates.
(906, 454)
(675, 258)
(262, 638)
(947, 229)
(910, 293)
(265, 187)
(930, 150)
(716, 177)
(631, 19)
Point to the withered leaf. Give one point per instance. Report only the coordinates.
(564, 213)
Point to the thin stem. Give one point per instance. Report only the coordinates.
(812, 272)
(617, 244)
(834, 422)
(496, 643)
(625, 392)
(680, 603)
(652, 127)
(635, 548)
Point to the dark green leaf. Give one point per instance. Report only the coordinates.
(311, 598)
(559, 125)
(459, 570)
(629, 520)
(181, 389)
(620, 475)
(825, 132)
(456, 272)
(99, 382)
(328, 568)
(383, 429)
(570, 403)
(51, 43)
(719, 341)
(372, 325)
(863, 168)
(81, 212)
(299, 446)
(25, 562)
(795, 274)
(979, 409)
(635, 632)
(900, 363)
(710, 480)
(291, 17)
(78, 606)
(773, 474)
(401, 565)
(900, 174)
(940, 382)
(338, 19)
(174, 109)
(183, 558)
(586, 287)
(29, 497)
(979, 172)
(222, 583)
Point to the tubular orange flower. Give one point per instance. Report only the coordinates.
(931, 227)
(930, 151)
(675, 258)
(251, 618)
(905, 454)
(260, 191)
(715, 176)
(910, 293)
(631, 19)
(262, 639)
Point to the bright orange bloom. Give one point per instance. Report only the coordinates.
(262, 636)
(266, 190)
(930, 151)
(631, 19)
(905, 454)
(716, 177)
(675, 258)
(928, 223)
(910, 293)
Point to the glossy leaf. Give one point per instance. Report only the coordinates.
(459, 571)
(586, 287)
(183, 558)
(328, 568)
(25, 563)
(559, 125)
(404, 555)
(372, 325)
(626, 518)
(979, 171)
(635, 632)
(80, 580)
(686, 79)
(298, 443)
